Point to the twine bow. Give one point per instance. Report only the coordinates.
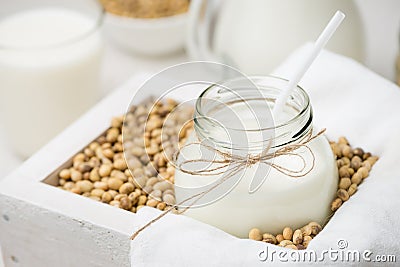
(238, 163)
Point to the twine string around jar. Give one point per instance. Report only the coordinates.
(237, 164)
(229, 159)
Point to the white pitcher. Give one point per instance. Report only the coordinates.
(257, 35)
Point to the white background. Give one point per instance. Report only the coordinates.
(382, 27)
(381, 22)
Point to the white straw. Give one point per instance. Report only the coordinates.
(319, 44)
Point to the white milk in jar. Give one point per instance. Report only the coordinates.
(49, 72)
(239, 122)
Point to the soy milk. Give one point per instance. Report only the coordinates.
(281, 200)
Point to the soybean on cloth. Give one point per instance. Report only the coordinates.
(348, 99)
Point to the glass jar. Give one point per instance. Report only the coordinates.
(239, 33)
(291, 189)
(50, 63)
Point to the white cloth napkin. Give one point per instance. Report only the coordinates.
(349, 100)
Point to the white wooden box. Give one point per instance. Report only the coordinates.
(41, 225)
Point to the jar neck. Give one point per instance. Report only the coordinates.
(237, 115)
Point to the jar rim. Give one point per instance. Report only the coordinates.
(97, 23)
(298, 88)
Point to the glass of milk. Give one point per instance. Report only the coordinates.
(237, 120)
(50, 56)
